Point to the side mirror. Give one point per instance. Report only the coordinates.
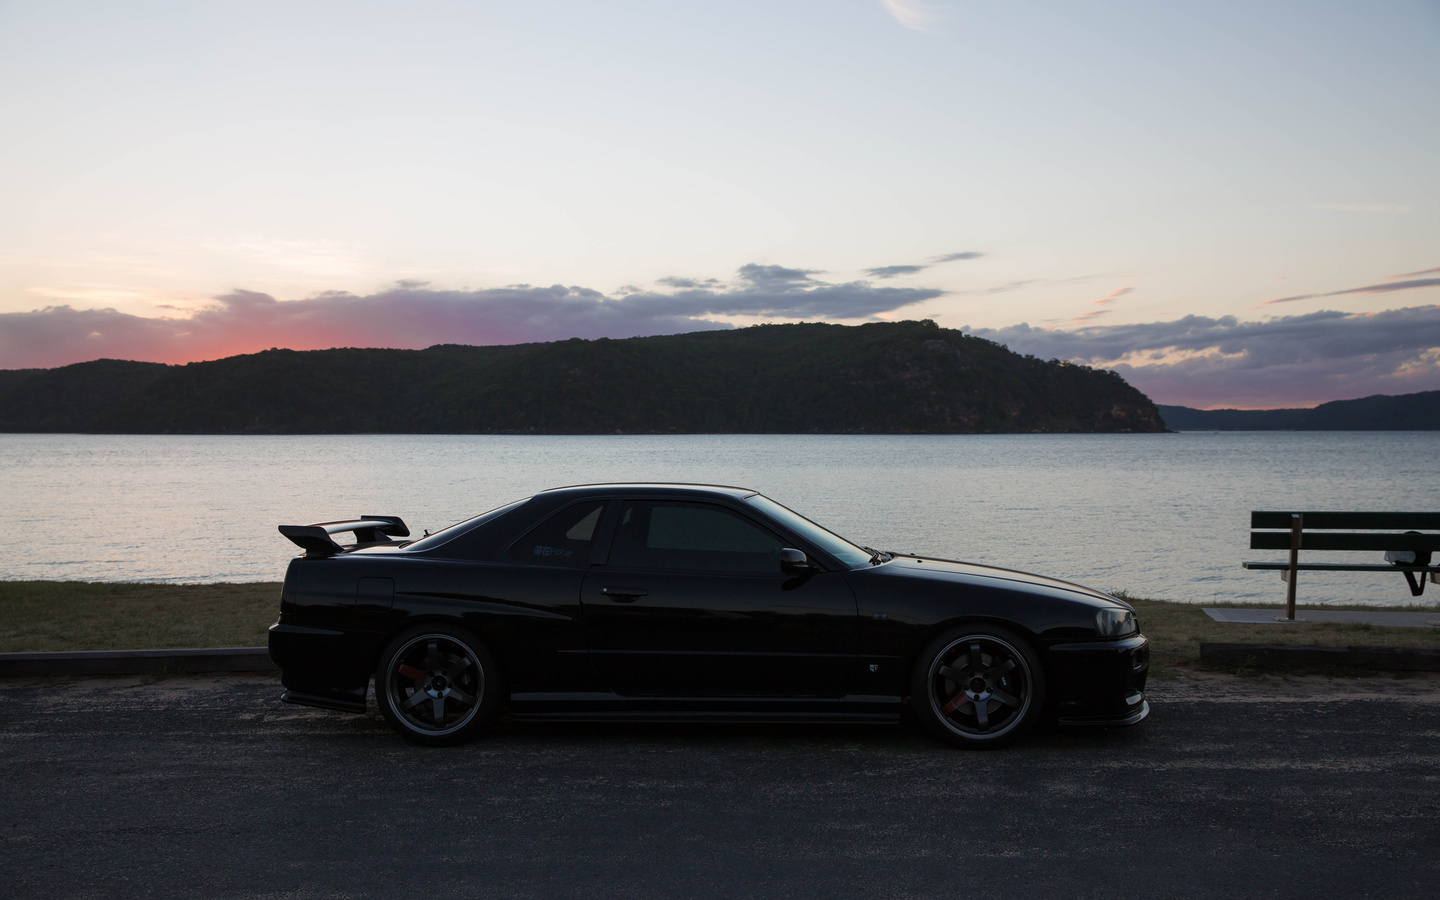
(794, 561)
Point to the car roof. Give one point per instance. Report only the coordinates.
(661, 489)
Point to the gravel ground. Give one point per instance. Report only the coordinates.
(210, 787)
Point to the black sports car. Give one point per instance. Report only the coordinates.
(689, 602)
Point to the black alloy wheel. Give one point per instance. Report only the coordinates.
(979, 687)
(437, 684)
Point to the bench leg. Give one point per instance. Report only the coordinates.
(1297, 522)
(1417, 585)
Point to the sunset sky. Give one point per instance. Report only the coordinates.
(1232, 204)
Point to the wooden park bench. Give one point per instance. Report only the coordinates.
(1406, 549)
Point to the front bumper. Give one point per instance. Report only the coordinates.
(1142, 710)
(1100, 682)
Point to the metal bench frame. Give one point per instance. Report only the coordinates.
(1296, 531)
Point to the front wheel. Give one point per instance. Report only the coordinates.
(978, 686)
(437, 684)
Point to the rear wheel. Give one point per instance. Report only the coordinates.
(437, 684)
(978, 686)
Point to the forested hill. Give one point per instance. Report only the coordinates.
(901, 377)
(1380, 412)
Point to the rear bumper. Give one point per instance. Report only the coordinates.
(323, 667)
(1100, 683)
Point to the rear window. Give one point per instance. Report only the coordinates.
(446, 535)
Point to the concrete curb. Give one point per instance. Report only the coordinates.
(1310, 656)
(137, 662)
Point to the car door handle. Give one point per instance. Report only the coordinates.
(623, 594)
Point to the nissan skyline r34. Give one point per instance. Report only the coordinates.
(687, 602)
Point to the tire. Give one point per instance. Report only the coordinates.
(978, 686)
(436, 684)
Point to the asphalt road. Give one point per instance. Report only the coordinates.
(210, 787)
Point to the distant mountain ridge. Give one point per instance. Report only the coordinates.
(891, 377)
(1379, 412)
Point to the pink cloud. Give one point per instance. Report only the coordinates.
(412, 316)
(1107, 299)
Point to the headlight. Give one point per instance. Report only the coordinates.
(1115, 622)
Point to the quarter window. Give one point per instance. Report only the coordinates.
(564, 539)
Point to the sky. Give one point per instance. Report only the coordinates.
(1231, 204)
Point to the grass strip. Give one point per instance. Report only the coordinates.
(40, 616)
(1177, 629)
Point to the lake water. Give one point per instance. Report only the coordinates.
(1156, 515)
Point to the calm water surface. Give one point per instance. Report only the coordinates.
(1157, 515)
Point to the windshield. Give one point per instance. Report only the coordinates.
(448, 534)
(833, 544)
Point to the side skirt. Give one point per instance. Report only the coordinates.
(606, 707)
(319, 702)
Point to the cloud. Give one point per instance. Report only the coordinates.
(955, 257)
(1016, 285)
(1413, 274)
(1382, 288)
(1103, 301)
(414, 315)
(777, 277)
(1288, 361)
(1008, 286)
(764, 290)
(913, 14)
(893, 271)
(677, 282)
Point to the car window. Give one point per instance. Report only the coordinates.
(564, 539)
(445, 535)
(692, 537)
(832, 543)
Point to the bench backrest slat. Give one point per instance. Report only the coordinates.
(1400, 521)
(1280, 540)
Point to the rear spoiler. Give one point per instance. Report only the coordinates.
(369, 530)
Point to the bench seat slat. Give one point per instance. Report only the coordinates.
(1280, 540)
(1399, 521)
(1343, 567)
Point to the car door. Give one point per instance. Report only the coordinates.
(691, 601)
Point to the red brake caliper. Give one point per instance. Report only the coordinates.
(414, 675)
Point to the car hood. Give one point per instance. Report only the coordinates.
(952, 570)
